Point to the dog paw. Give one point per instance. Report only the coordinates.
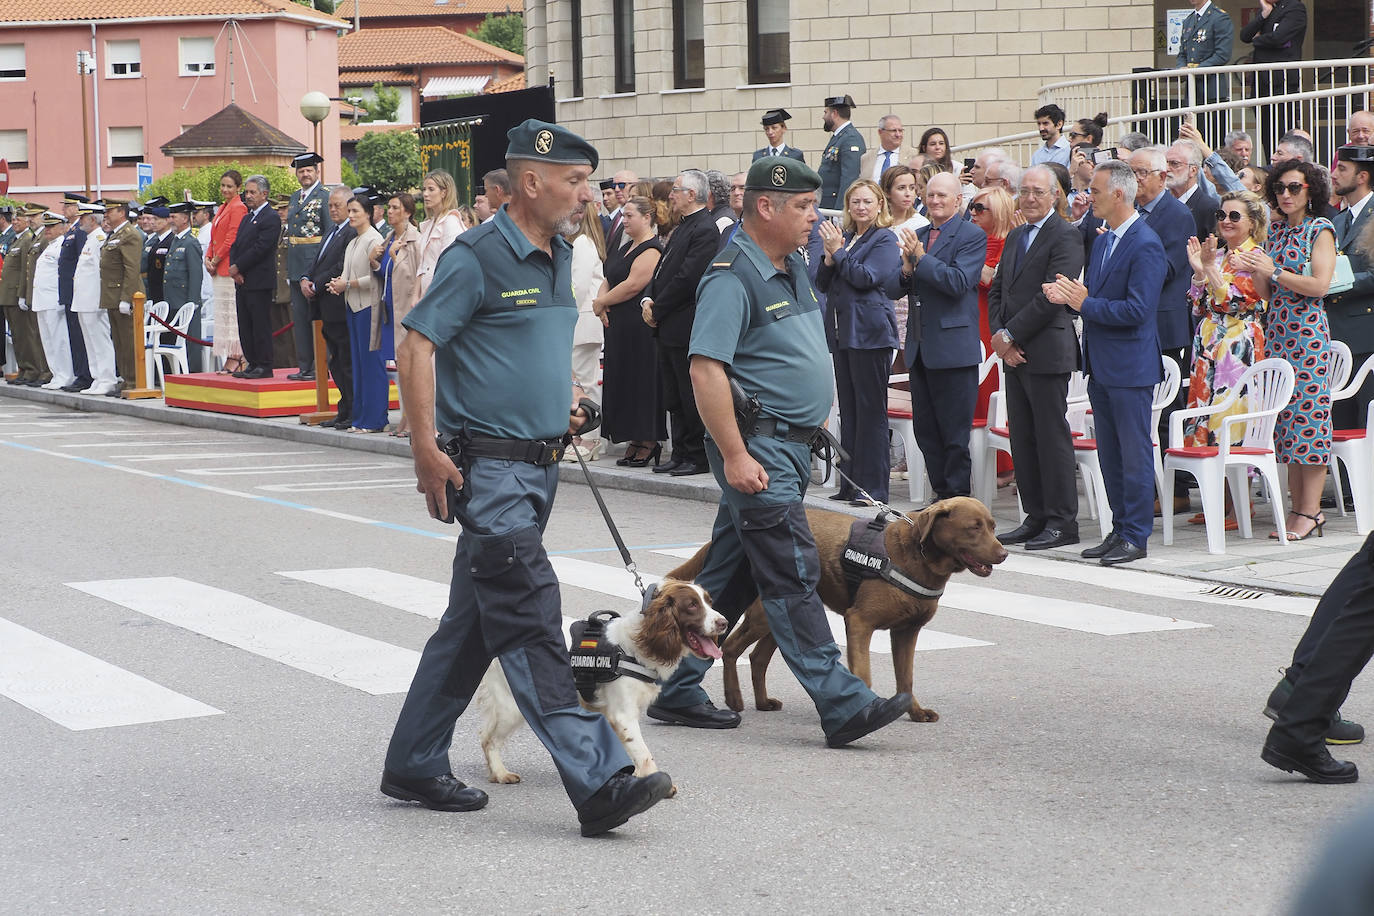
(767, 704)
(919, 714)
(672, 793)
(734, 701)
(505, 779)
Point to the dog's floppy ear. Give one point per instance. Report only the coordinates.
(925, 523)
(660, 636)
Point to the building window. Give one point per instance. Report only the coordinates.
(14, 148)
(12, 62)
(576, 9)
(122, 59)
(126, 145)
(623, 23)
(770, 55)
(689, 45)
(197, 56)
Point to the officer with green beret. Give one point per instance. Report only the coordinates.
(498, 318)
(759, 322)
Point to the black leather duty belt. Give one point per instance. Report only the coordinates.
(779, 429)
(541, 452)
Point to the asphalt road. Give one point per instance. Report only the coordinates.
(188, 729)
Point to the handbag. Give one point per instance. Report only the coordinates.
(1342, 278)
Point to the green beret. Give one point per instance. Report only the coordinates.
(781, 173)
(545, 142)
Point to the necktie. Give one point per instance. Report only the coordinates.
(930, 239)
(913, 315)
(1027, 239)
(776, 152)
(887, 162)
(1107, 251)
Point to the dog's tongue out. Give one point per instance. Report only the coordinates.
(704, 645)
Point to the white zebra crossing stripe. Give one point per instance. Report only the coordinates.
(1056, 612)
(390, 589)
(366, 664)
(79, 691)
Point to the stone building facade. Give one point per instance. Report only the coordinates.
(970, 66)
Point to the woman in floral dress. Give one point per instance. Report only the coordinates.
(1229, 337)
(1300, 243)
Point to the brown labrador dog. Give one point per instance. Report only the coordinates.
(951, 536)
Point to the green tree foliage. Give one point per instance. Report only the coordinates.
(389, 160)
(348, 174)
(385, 103)
(506, 31)
(203, 182)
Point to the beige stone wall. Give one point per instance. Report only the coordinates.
(970, 66)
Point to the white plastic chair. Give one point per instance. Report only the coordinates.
(1268, 385)
(1354, 449)
(900, 420)
(151, 332)
(176, 351)
(984, 472)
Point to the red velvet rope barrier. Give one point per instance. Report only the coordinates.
(205, 343)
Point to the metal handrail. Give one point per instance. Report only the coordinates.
(1178, 72)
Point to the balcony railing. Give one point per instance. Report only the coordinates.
(1314, 95)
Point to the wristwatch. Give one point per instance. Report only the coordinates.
(1274, 277)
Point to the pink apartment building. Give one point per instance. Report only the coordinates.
(159, 67)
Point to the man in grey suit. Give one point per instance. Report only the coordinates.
(1351, 313)
(1035, 339)
(1206, 41)
(839, 166)
(941, 266)
(891, 150)
(775, 129)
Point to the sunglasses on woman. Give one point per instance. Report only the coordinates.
(1293, 187)
(1234, 216)
(978, 208)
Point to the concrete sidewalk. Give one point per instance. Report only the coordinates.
(1303, 568)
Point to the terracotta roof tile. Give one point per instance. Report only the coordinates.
(18, 12)
(368, 77)
(373, 49)
(232, 128)
(509, 84)
(399, 8)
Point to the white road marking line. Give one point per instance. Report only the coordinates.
(1163, 586)
(276, 468)
(391, 589)
(321, 486)
(680, 553)
(81, 432)
(1056, 612)
(204, 455)
(366, 664)
(142, 443)
(618, 583)
(79, 691)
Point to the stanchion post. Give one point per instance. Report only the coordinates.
(322, 412)
(140, 389)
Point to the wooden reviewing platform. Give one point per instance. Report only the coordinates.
(274, 397)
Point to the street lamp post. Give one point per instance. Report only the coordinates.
(315, 106)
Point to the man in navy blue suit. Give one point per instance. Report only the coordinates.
(1173, 222)
(1120, 355)
(941, 266)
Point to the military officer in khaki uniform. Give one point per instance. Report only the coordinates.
(32, 250)
(119, 281)
(28, 353)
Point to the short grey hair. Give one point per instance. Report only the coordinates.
(882, 122)
(720, 187)
(1299, 146)
(1235, 135)
(1046, 173)
(1155, 156)
(694, 180)
(1192, 149)
(1133, 141)
(1119, 178)
(260, 181)
(342, 190)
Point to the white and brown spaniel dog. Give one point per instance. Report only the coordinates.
(679, 620)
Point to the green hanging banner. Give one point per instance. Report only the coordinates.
(447, 145)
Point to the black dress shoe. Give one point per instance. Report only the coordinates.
(1123, 552)
(1101, 550)
(840, 497)
(75, 386)
(670, 466)
(442, 793)
(337, 423)
(1318, 766)
(702, 715)
(621, 798)
(688, 469)
(871, 718)
(302, 376)
(1021, 533)
(257, 372)
(1052, 537)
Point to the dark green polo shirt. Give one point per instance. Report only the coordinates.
(501, 314)
(766, 325)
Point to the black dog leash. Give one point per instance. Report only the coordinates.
(828, 449)
(593, 421)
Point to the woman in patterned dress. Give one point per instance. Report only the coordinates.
(1296, 329)
(1229, 339)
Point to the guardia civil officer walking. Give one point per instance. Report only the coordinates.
(760, 322)
(498, 318)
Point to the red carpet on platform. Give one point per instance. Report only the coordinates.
(274, 397)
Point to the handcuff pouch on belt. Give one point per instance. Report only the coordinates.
(596, 660)
(865, 557)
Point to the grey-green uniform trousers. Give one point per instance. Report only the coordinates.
(761, 545)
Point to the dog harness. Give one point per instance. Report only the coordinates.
(597, 660)
(865, 557)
